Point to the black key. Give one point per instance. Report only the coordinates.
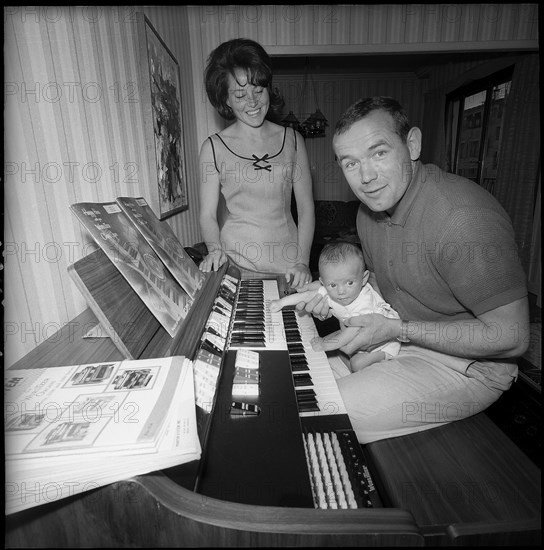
(305, 391)
(240, 337)
(241, 325)
(300, 368)
(308, 407)
(302, 379)
(306, 398)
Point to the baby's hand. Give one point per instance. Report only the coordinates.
(275, 305)
(330, 342)
(317, 344)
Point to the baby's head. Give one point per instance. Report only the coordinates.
(342, 272)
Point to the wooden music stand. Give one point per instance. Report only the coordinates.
(121, 312)
(126, 319)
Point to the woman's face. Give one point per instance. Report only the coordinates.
(249, 103)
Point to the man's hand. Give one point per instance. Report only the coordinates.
(318, 305)
(373, 330)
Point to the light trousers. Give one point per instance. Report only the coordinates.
(417, 390)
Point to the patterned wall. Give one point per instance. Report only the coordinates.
(74, 129)
(75, 133)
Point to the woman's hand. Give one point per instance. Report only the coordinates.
(213, 261)
(298, 275)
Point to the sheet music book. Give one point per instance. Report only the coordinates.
(125, 246)
(75, 428)
(164, 242)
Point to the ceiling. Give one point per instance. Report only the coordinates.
(375, 63)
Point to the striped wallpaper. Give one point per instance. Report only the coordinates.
(74, 126)
(75, 133)
(279, 27)
(339, 29)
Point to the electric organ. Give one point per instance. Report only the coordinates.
(293, 444)
(280, 466)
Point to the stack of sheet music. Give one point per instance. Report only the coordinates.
(75, 428)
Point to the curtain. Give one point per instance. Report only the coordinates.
(434, 147)
(519, 155)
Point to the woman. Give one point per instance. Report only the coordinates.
(256, 165)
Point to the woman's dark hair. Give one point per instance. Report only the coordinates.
(240, 53)
(364, 107)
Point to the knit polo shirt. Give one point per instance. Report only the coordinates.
(448, 252)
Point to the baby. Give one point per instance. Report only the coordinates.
(343, 280)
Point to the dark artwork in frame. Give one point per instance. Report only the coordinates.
(163, 119)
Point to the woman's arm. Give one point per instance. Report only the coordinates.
(209, 200)
(302, 187)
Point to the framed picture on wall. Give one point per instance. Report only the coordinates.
(163, 120)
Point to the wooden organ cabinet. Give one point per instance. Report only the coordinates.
(462, 484)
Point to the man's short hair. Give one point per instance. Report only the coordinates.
(364, 107)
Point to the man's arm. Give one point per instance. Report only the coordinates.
(499, 333)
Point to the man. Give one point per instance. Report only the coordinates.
(442, 252)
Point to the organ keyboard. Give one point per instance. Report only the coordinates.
(293, 433)
(315, 386)
(255, 326)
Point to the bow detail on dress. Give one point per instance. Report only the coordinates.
(256, 165)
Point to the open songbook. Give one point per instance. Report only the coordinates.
(75, 428)
(130, 251)
(163, 241)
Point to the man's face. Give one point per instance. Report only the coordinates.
(375, 161)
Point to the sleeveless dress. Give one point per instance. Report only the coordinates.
(259, 233)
